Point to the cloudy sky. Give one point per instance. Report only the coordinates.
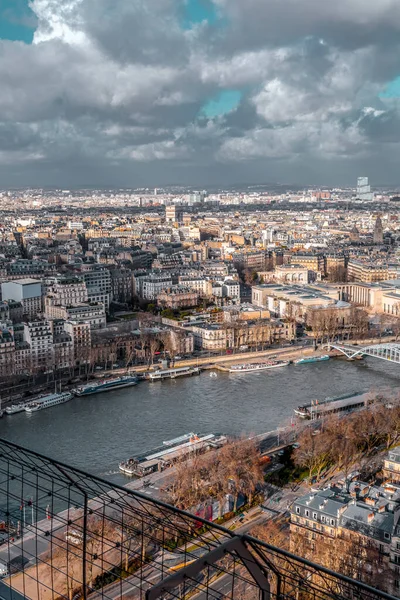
(153, 92)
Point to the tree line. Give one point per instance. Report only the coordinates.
(345, 442)
(234, 469)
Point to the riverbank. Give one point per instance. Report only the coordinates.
(96, 432)
(209, 362)
(219, 362)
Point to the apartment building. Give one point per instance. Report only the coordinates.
(39, 336)
(356, 511)
(66, 291)
(253, 259)
(211, 337)
(312, 262)
(368, 272)
(150, 286)
(81, 338)
(202, 286)
(231, 289)
(92, 313)
(96, 277)
(26, 291)
(63, 347)
(262, 332)
(178, 296)
(333, 262)
(22, 358)
(121, 285)
(11, 311)
(26, 268)
(391, 466)
(7, 350)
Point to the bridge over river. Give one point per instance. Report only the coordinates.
(387, 351)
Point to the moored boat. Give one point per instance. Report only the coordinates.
(311, 359)
(48, 402)
(106, 386)
(15, 408)
(345, 403)
(179, 448)
(173, 373)
(255, 367)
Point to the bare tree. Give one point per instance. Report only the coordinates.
(337, 274)
(313, 452)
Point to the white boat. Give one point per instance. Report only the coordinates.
(15, 408)
(255, 367)
(48, 402)
(173, 373)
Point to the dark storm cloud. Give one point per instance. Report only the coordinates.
(114, 90)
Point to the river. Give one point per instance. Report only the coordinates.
(96, 432)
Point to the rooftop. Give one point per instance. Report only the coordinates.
(26, 281)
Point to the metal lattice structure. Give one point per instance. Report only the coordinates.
(390, 352)
(67, 534)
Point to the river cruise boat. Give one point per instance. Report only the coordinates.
(317, 409)
(255, 367)
(180, 448)
(172, 373)
(48, 402)
(311, 359)
(15, 408)
(106, 385)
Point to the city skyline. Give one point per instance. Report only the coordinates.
(112, 94)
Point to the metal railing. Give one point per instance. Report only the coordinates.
(68, 534)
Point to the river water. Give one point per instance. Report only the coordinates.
(96, 432)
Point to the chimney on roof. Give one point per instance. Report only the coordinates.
(371, 517)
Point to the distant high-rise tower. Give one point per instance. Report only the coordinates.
(364, 189)
(378, 231)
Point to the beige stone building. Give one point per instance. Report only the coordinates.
(368, 272)
(178, 297)
(382, 297)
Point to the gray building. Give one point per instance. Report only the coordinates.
(26, 291)
(353, 510)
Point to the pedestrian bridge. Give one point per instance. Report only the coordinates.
(390, 352)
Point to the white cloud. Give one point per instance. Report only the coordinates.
(121, 82)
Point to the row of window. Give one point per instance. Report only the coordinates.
(324, 519)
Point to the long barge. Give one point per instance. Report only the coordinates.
(48, 402)
(172, 373)
(311, 359)
(106, 386)
(180, 448)
(317, 409)
(256, 367)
